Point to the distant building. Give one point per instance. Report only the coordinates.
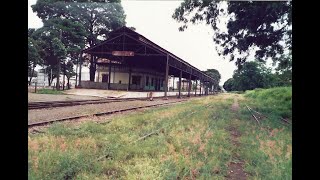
(42, 79)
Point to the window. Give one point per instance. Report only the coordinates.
(147, 81)
(136, 80)
(152, 81)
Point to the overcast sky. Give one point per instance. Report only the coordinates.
(153, 19)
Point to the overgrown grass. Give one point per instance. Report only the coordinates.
(267, 149)
(277, 101)
(48, 91)
(192, 142)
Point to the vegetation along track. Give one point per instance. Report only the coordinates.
(99, 114)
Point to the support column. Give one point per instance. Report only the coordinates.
(98, 75)
(180, 84)
(166, 77)
(79, 84)
(189, 89)
(195, 91)
(211, 89)
(129, 78)
(109, 77)
(172, 83)
(200, 87)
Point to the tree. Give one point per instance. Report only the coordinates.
(54, 70)
(97, 19)
(284, 70)
(263, 28)
(71, 36)
(228, 85)
(69, 72)
(215, 75)
(33, 57)
(248, 77)
(59, 53)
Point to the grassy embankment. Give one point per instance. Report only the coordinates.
(192, 142)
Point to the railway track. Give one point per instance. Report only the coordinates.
(41, 123)
(51, 104)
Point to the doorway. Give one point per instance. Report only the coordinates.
(105, 77)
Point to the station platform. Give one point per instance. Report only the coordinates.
(120, 94)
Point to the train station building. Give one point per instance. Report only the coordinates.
(127, 60)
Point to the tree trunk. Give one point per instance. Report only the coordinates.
(58, 75)
(68, 79)
(31, 75)
(77, 74)
(49, 79)
(92, 69)
(64, 74)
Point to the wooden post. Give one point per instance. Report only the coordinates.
(180, 84)
(189, 86)
(166, 77)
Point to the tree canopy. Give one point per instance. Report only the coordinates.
(228, 85)
(82, 23)
(254, 75)
(260, 27)
(215, 75)
(94, 18)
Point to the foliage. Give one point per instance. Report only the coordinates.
(59, 50)
(284, 70)
(33, 53)
(94, 18)
(215, 75)
(34, 58)
(265, 26)
(253, 75)
(228, 85)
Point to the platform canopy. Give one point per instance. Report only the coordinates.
(132, 49)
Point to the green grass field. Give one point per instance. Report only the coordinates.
(189, 140)
(48, 91)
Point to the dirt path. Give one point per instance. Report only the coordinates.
(235, 105)
(235, 168)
